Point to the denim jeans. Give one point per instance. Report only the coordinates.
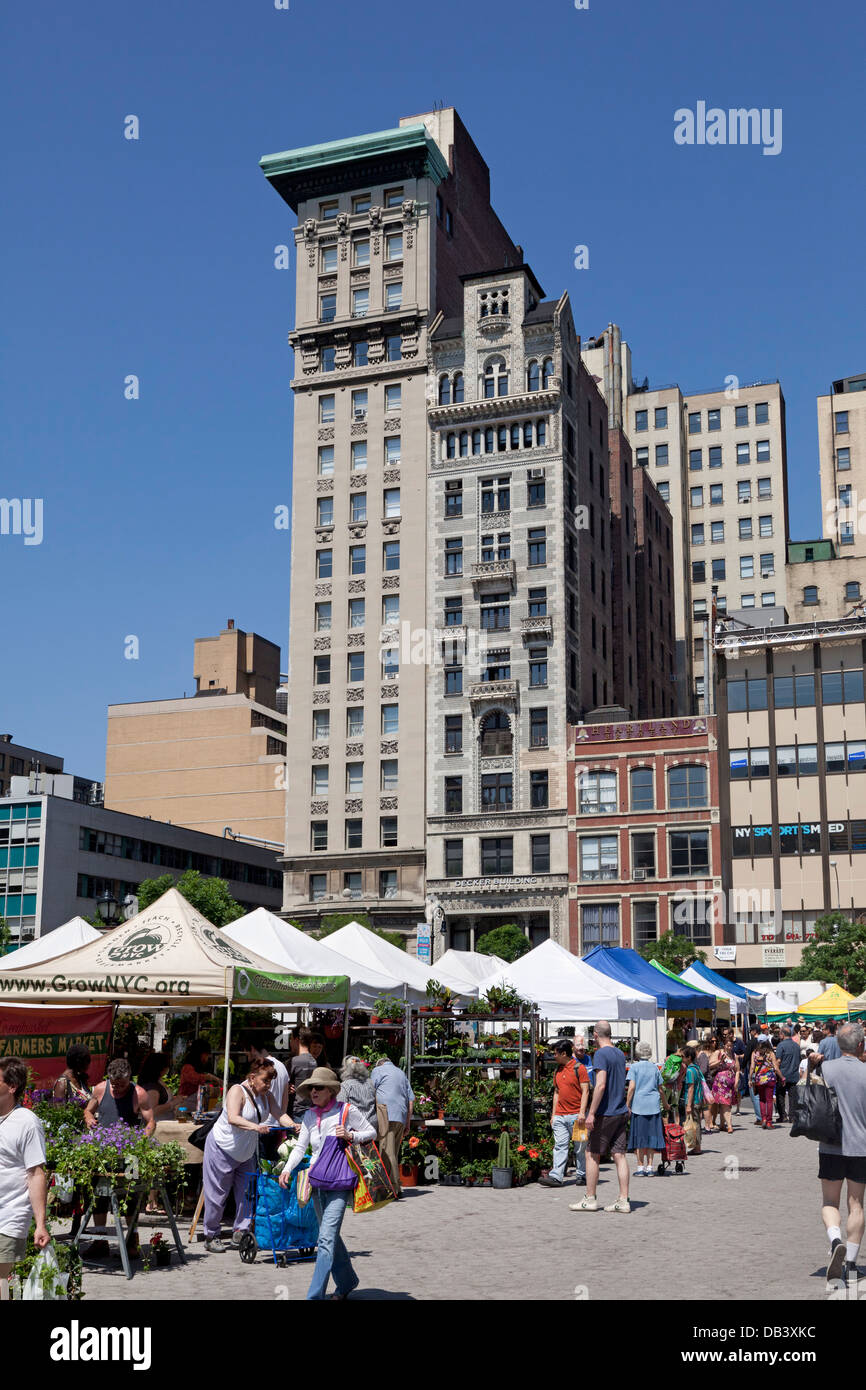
(756, 1102)
(333, 1257)
(562, 1127)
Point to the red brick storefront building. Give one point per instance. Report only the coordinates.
(644, 833)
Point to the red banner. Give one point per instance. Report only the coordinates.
(42, 1038)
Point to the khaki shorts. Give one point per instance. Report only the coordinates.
(12, 1249)
(608, 1135)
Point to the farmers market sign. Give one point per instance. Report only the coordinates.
(261, 986)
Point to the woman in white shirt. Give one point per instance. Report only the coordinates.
(323, 1119)
(230, 1150)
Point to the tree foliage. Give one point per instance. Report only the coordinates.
(836, 954)
(333, 921)
(673, 952)
(5, 936)
(209, 896)
(508, 942)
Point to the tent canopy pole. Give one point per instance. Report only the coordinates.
(226, 1056)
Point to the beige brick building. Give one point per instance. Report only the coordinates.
(215, 761)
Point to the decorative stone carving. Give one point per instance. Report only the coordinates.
(375, 228)
(495, 764)
(537, 627)
(343, 233)
(410, 212)
(354, 806)
(355, 639)
(354, 750)
(323, 591)
(409, 332)
(326, 434)
(390, 528)
(393, 272)
(320, 752)
(358, 482)
(359, 429)
(392, 422)
(321, 644)
(311, 232)
(321, 697)
(387, 803)
(390, 475)
(355, 695)
(318, 808)
(493, 569)
(390, 692)
(390, 582)
(358, 531)
(388, 746)
(327, 282)
(324, 533)
(356, 586)
(324, 485)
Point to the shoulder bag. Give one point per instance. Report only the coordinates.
(815, 1111)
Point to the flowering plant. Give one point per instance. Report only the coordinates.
(115, 1153)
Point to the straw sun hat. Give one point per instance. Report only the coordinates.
(322, 1076)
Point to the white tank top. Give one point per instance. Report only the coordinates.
(241, 1144)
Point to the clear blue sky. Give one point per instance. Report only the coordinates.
(155, 257)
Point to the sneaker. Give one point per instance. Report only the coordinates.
(580, 1181)
(585, 1204)
(621, 1204)
(850, 1272)
(215, 1246)
(236, 1238)
(836, 1262)
(548, 1181)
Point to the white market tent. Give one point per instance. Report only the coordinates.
(292, 949)
(365, 948)
(168, 955)
(72, 934)
(464, 970)
(756, 1003)
(565, 987)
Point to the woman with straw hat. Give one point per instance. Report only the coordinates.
(328, 1126)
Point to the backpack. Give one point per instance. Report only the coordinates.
(671, 1069)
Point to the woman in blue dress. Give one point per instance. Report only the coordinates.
(646, 1133)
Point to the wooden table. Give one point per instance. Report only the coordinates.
(176, 1131)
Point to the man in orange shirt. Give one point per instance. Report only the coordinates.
(570, 1098)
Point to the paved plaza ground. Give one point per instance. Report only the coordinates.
(743, 1222)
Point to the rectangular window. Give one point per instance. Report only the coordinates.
(391, 555)
(390, 720)
(538, 728)
(693, 918)
(356, 612)
(390, 663)
(453, 795)
(747, 566)
(321, 725)
(389, 774)
(687, 787)
(717, 532)
(321, 670)
(387, 883)
(597, 793)
(843, 459)
(388, 831)
(537, 666)
(643, 854)
(391, 503)
(696, 460)
(359, 404)
(454, 611)
(537, 603)
(642, 793)
(689, 853)
(539, 848)
(454, 733)
(355, 666)
(599, 857)
(762, 413)
(661, 417)
(453, 858)
(318, 887)
(741, 415)
(664, 491)
(361, 252)
(716, 456)
(393, 399)
(394, 294)
(768, 598)
(327, 308)
(641, 420)
(319, 835)
(537, 545)
(320, 780)
(390, 610)
(328, 260)
(353, 884)
(354, 834)
(327, 410)
(495, 612)
(743, 455)
(497, 855)
(694, 422)
(453, 680)
(714, 419)
(324, 564)
(394, 246)
(718, 569)
(358, 506)
(661, 456)
(641, 457)
(536, 493)
(764, 488)
(696, 496)
(744, 528)
(355, 722)
(325, 511)
(768, 564)
(762, 451)
(716, 495)
(599, 925)
(842, 687)
(357, 559)
(747, 600)
(360, 303)
(392, 451)
(323, 617)
(359, 456)
(538, 788)
(497, 791)
(326, 461)
(359, 353)
(454, 497)
(698, 533)
(840, 421)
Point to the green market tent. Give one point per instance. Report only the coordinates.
(723, 1004)
(168, 956)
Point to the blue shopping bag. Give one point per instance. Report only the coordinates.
(281, 1222)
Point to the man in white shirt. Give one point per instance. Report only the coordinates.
(23, 1185)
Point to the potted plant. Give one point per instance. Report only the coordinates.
(502, 1172)
(434, 997)
(161, 1251)
(387, 1009)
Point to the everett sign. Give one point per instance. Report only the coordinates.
(648, 728)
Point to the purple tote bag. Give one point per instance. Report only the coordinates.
(331, 1171)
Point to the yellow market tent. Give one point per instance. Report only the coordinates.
(833, 1003)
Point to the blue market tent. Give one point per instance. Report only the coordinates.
(631, 969)
(748, 1000)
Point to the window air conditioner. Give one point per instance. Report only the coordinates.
(360, 414)
(639, 875)
(535, 472)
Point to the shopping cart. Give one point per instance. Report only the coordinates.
(291, 1231)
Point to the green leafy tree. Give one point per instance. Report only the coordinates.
(333, 921)
(836, 954)
(673, 952)
(507, 942)
(209, 896)
(5, 936)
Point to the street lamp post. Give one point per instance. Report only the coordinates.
(107, 907)
(834, 865)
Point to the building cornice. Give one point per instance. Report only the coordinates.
(477, 412)
(339, 165)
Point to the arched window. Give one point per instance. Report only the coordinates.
(495, 378)
(502, 440)
(533, 377)
(452, 446)
(489, 441)
(547, 371)
(444, 391)
(458, 389)
(687, 787)
(495, 735)
(476, 441)
(515, 436)
(527, 435)
(541, 432)
(464, 443)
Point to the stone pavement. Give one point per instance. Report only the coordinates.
(742, 1222)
